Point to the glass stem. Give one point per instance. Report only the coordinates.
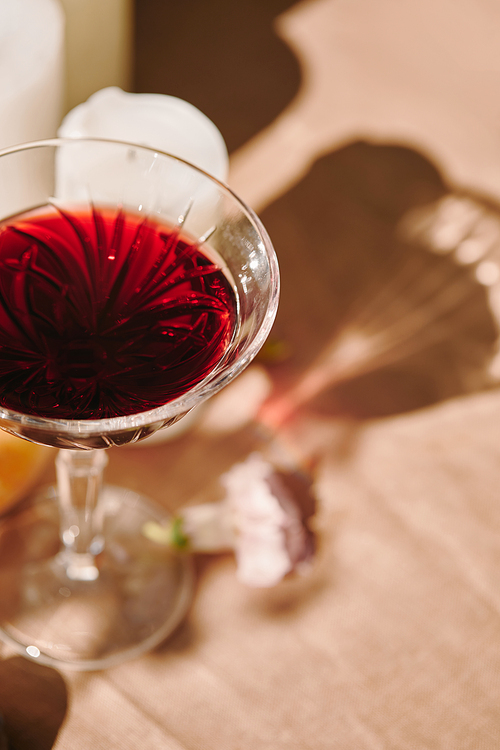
(79, 482)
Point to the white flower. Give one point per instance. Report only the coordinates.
(259, 519)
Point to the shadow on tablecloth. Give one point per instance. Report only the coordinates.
(389, 278)
(33, 702)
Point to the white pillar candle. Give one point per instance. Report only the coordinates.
(31, 69)
(98, 46)
(156, 120)
(161, 122)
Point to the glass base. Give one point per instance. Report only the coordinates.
(140, 593)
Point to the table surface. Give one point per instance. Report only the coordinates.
(343, 120)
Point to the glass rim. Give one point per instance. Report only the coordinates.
(215, 380)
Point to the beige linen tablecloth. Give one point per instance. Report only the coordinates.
(391, 640)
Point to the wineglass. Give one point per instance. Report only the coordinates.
(133, 286)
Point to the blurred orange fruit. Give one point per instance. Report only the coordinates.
(21, 464)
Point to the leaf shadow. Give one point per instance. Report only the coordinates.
(252, 74)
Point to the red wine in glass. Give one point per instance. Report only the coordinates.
(105, 313)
